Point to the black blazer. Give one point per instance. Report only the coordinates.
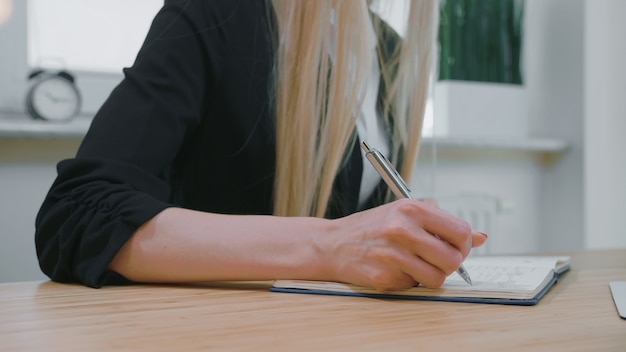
(190, 125)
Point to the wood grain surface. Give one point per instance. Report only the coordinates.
(578, 314)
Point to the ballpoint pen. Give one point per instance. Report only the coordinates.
(393, 179)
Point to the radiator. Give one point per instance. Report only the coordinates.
(479, 210)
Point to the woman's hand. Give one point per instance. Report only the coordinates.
(398, 245)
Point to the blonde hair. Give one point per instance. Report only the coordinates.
(318, 98)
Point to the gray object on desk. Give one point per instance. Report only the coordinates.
(618, 290)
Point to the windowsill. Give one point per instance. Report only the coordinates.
(18, 125)
(530, 144)
(14, 125)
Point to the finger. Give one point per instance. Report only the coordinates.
(435, 222)
(439, 253)
(423, 272)
(478, 238)
(428, 247)
(449, 228)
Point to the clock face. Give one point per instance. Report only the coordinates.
(54, 98)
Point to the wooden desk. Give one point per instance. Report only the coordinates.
(577, 314)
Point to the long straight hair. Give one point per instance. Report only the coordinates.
(318, 97)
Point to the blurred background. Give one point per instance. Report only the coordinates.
(523, 132)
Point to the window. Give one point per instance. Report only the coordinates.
(87, 35)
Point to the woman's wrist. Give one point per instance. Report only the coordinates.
(323, 241)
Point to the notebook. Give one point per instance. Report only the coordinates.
(516, 280)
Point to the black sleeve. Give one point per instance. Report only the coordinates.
(119, 177)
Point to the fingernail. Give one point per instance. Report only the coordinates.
(484, 234)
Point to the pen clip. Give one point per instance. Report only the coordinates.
(395, 172)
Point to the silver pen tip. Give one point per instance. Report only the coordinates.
(465, 275)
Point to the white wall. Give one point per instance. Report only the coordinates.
(605, 124)
(554, 77)
(23, 188)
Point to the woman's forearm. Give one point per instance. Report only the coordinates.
(180, 245)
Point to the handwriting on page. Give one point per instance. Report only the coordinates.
(499, 278)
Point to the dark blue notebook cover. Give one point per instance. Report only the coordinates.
(520, 302)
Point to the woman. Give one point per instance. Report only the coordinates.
(229, 152)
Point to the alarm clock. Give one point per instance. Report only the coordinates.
(53, 96)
